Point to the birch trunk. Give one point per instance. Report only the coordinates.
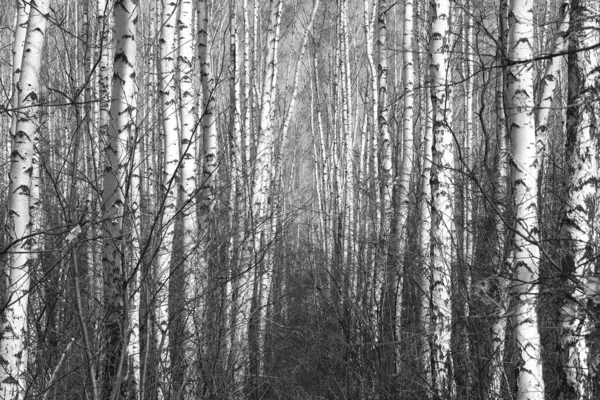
(17, 53)
(168, 109)
(188, 286)
(374, 288)
(577, 224)
(549, 82)
(262, 176)
(103, 89)
(442, 225)
(530, 384)
(120, 130)
(13, 341)
(425, 283)
(468, 226)
(503, 258)
(503, 249)
(388, 256)
(348, 157)
(404, 175)
(239, 318)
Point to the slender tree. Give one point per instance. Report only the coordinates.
(442, 224)
(262, 179)
(170, 186)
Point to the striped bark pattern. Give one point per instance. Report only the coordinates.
(582, 173)
(519, 97)
(14, 331)
(442, 187)
(121, 129)
(170, 187)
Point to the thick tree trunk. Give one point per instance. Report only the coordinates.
(17, 53)
(530, 384)
(14, 338)
(121, 129)
(549, 85)
(577, 224)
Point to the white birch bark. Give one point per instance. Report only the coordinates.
(442, 225)
(102, 94)
(21, 21)
(187, 191)
(519, 92)
(374, 288)
(13, 341)
(549, 83)
(17, 53)
(263, 167)
(347, 155)
(468, 226)
(425, 246)
(388, 289)
(503, 259)
(577, 223)
(135, 272)
(503, 253)
(406, 167)
(385, 144)
(239, 318)
(121, 129)
(170, 135)
(104, 68)
(208, 117)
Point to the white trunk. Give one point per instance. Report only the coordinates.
(347, 155)
(263, 167)
(385, 157)
(17, 52)
(577, 225)
(13, 341)
(468, 226)
(102, 93)
(405, 173)
(240, 314)
(169, 114)
(121, 129)
(442, 228)
(188, 185)
(549, 83)
(502, 253)
(208, 118)
(374, 288)
(530, 384)
(425, 245)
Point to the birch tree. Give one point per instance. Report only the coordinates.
(550, 80)
(582, 172)
(443, 193)
(262, 173)
(519, 92)
(17, 53)
(121, 129)
(170, 186)
(187, 193)
(14, 327)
